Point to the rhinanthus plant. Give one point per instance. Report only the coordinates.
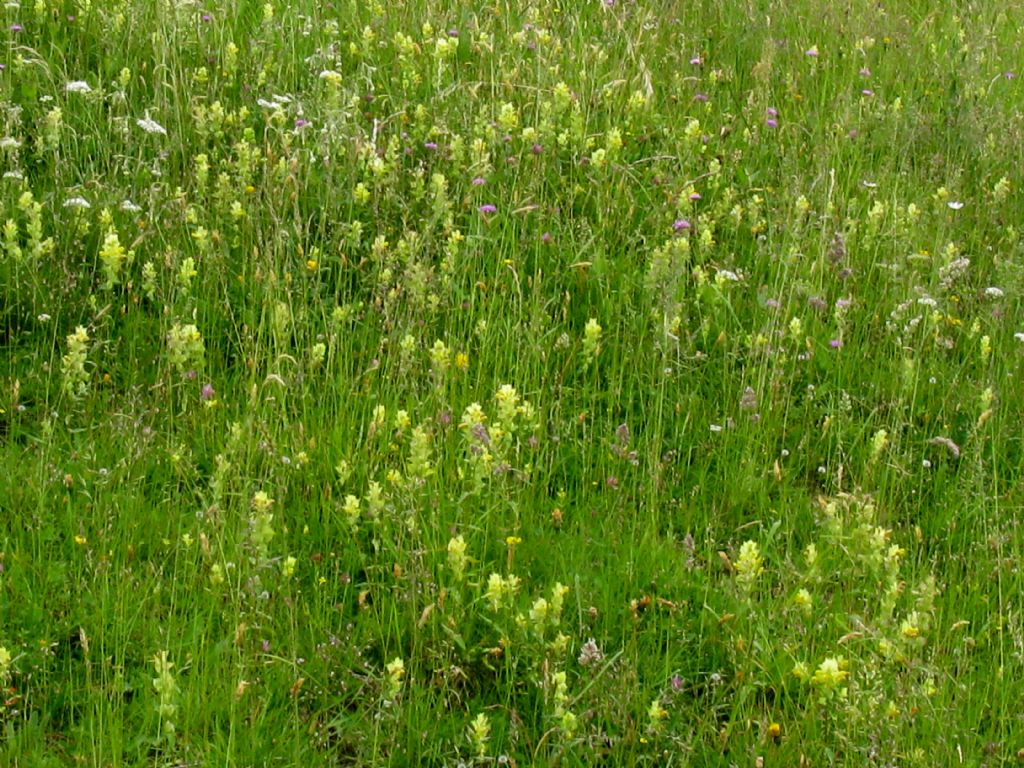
(536, 384)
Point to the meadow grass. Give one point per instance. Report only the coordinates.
(542, 383)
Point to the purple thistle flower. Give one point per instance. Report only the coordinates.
(207, 392)
(680, 224)
(488, 208)
(478, 181)
(431, 145)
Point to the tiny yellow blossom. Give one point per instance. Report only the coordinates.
(830, 674)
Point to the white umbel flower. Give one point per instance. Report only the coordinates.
(149, 125)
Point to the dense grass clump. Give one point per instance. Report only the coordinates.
(544, 383)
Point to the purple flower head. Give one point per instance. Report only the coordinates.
(478, 181)
(453, 32)
(488, 208)
(546, 237)
(694, 196)
(680, 224)
(431, 145)
(536, 149)
(701, 97)
(771, 122)
(696, 61)
(867, 92)
(207, 18)
(16, 27)
(865, 72)
(772, 112)
(835, 343)
(207, 392)
(301, 123)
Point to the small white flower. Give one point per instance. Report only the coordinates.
(927, 301)
(149, 125)
(994, 292)
(716, 427)
(869, 184)
(1019, 336)
(78, 86)
(9, 142)
(77, 202)
(131, 207)
(955, 205)
(17, 175)
(268, 104)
